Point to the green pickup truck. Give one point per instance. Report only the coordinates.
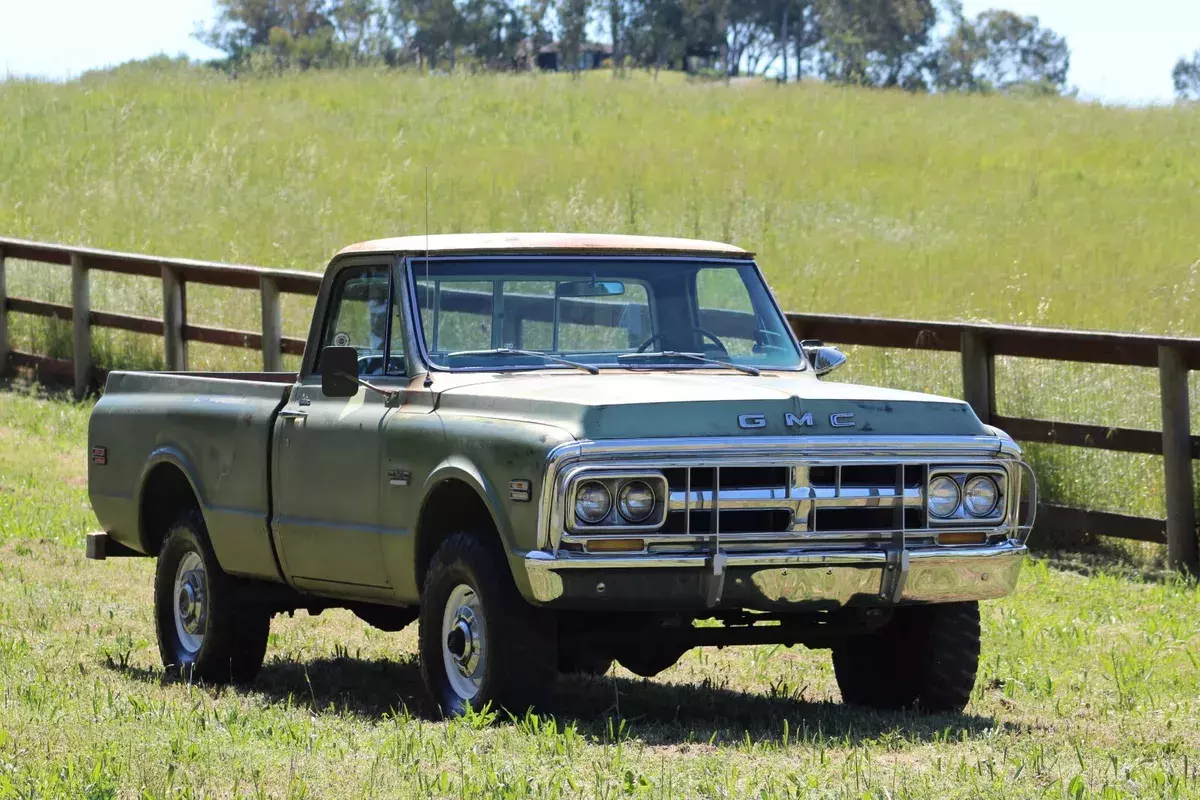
(556, 451)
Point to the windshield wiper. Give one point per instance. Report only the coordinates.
(512, 351)
(693, 356)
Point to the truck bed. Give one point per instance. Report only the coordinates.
(213, 429)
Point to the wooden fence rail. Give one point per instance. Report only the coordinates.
(978, 345)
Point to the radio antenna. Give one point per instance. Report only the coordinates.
(428, 290)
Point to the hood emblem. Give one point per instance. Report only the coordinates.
(841, 419)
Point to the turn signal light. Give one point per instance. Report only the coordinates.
(616, 545)
(961, 537)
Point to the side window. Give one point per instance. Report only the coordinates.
(358, 315)
(725, 309)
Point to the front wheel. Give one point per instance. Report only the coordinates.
(480, 642)
(925, 657)
(207, 629)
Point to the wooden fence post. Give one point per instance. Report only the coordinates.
(272, 325)
(977, 375)
(174, 316)
(1182, 549)
(81, 325)
(4, 348)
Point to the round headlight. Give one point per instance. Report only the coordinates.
(635, 501)
(980, 496)
(943, 496)
(592, 502)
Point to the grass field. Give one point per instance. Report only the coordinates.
(1004, 209)
(1027, 211)
(1089, 687)
(998, 209)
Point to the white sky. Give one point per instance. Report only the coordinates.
(1119, 53)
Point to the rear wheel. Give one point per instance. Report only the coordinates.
(926, 657)
(207, 628)
(480, 641)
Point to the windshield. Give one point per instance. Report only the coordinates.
(561, 313)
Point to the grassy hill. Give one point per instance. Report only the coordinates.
(1010, 210)
(1045, 212)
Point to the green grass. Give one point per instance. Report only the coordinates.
(1004, 209)
(984, 208)
(1089, 687)
(1039, 212)
(1011, 210)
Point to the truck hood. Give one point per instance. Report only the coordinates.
(625, 405)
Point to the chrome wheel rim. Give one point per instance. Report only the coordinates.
(464, 641)
(190, 601)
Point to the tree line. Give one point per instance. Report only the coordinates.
(911, 44)
(1186, 76)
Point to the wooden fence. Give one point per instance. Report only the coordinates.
(978, 345)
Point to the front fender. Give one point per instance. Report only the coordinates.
(463, 469)
(488, 454)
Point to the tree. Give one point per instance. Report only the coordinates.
(535, 14)
(1000, 51)
(430, 29)
(572, 25)
(875, 42)
(288, 29)
(654, 34)
(703, 31)
(492, 32)
(750, 40)
(661, 33)
(795, 29)
(616, 28)
(1186, 76)
(361, 26)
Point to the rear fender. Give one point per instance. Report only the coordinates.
(175, 457)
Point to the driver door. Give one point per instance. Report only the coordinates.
(329, 451)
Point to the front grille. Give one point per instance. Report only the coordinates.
(731, 477)
(865, 475)
(864, 519)
(740, 520)
(821, 502)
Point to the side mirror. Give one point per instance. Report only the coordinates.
(824, 359)
(339, 371)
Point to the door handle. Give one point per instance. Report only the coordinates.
(289, 413)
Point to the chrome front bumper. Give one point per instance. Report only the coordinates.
(778, 580)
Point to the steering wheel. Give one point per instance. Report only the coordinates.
(706, 334)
